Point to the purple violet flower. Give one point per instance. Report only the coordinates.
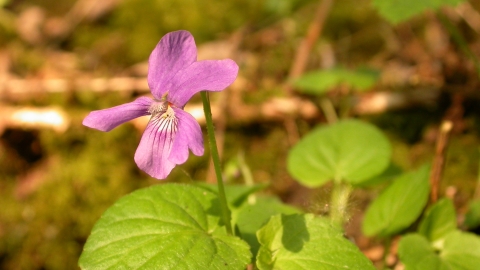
(174, 76)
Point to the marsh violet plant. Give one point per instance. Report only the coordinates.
(178, 226)
(174, 76)
(203, 226)
(174, 226)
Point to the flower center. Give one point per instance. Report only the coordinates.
(169, 114)
(158, 107)
(163, 116)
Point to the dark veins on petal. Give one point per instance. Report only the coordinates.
(167, 126)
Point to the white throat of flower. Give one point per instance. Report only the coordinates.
(163, 116)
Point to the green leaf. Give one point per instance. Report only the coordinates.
(461, 251)
(349, 150)
(306, 242)
(252, 216)
(321, 81)
(397, 11)
(390, 173)
(416, 253)
(399, 205)
(472, 217)
(439, 221)
(236, 194)
(167, 226)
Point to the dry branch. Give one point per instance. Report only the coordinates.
(14, 88)
(314, 32)
(439, 159)
(33, 118)
(274, 109)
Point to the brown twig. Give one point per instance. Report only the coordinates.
(33, 118)
(301, 59)
(470, 15)
(453, 122)
(314, 31)
(439, 159)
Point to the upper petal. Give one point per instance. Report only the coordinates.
(210, 75)
(155, 146)
(174, 52)
(107, 119)
(189, 136)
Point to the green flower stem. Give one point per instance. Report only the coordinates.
(339, 203)
(328, 109)
(226, 215)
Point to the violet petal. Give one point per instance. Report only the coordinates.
(155, 146)
(107, 119)
(210, 75)
(189, 136)
(174, 52)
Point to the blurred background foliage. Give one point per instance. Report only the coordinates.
(55, 185)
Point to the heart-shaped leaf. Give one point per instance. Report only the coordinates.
(460, 251)
(472, 217)
(166, 226)
(321, 81)
(350, 150)
(439, 221)
(397, 11)
(399, 205)
(390, 173)
(416, 253)
(252, 216)
(236, 194)
(306, 242)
